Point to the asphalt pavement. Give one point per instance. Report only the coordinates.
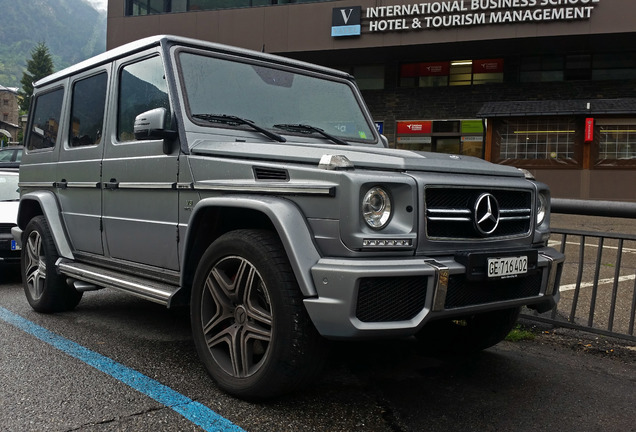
(560, 380)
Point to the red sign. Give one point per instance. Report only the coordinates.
(434, 69)
(424, 69)
(414, 127)
(488, 66)
(589, 129)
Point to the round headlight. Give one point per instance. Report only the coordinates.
(376, 208)
(542, 210)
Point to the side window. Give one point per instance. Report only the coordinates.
(142, 87)
(87, 111)
(46, 120)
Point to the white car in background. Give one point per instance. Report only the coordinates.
(9, 201)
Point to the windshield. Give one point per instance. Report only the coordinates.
(9, 188)
(269, 97)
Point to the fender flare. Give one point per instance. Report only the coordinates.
(289, 222)
(47, 202)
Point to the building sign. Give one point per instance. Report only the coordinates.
(414, 127)
(589, 129)
(461, 13)
(488, 66)
(346, 21)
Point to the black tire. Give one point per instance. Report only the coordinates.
(469, 334)
(249, 324)
(45, 289)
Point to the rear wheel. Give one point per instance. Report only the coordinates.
(45, 289)
(468, 334)
(249, 324)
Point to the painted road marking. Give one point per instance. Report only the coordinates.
(194, 411)
(605, 281)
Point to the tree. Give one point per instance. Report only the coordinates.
(39, 66)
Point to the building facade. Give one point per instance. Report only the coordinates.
(545, 85)
(9, 115)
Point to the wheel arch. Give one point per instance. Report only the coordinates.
(213, 217)
(45, 203)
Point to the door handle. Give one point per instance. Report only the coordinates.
(112, 184)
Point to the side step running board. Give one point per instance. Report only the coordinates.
(150, 290)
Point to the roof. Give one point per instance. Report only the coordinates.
(166, 41)
(9, 89)
(558, 107)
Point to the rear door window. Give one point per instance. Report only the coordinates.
(46, 120)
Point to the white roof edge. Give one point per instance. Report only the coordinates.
(158, 40)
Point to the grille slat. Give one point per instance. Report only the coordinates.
(450, 213)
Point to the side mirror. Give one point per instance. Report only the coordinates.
(150, 125)
(385, 141)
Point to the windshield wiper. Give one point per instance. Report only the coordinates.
(308, 129)
(237, 121)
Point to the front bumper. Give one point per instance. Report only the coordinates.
(374, 298)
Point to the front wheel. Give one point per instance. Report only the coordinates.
(249, 324)
(468, 334)
(45, 289)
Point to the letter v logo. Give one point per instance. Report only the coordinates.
(346, 14)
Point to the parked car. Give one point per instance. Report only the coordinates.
(257, 190)
(9, 202)
(10, 156)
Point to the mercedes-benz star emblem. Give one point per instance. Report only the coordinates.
(486, 214)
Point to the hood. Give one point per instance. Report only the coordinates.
(9, 211)
(361, 156)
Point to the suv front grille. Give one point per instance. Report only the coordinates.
(451, 213)
(385, 299)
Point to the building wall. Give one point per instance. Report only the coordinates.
(303, 31)
(9, 113)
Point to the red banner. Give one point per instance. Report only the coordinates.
(488, 66)
(414, 127)
(589, 129)
(434, 69)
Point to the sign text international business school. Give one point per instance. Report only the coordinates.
(458, 13)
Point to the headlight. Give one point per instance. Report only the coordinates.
(542, 210)
(376, 208)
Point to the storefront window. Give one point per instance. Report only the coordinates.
(617, 142)
(536, 141)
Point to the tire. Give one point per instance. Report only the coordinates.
(469, 334)
(45, 289)
(249, 325)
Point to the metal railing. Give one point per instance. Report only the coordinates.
(598, 285)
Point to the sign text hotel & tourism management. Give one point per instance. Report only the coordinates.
(461, 13)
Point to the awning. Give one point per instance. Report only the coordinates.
(558, 107)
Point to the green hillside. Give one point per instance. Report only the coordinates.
(72, 30)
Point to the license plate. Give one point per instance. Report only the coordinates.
(15, 245)
(508, 266)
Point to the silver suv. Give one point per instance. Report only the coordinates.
(256, 190)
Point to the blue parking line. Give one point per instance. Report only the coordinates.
(195, 412)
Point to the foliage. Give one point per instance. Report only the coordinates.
(519, 333)
(39, 66)
(72, 29)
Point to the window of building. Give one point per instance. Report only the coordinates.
(149, 7)
(536, 140)
(613, 66)
(5, 102)
(142, 87)
(542, 68)
(46, 120)
(451, 73)
(369, 77)
(87, 111)
(617, 141)
(5, 117)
